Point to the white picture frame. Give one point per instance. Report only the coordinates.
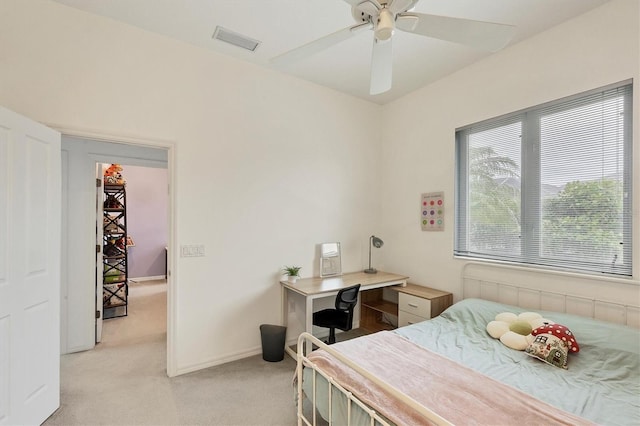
(330, 259)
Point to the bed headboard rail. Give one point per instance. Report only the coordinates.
(550, 291)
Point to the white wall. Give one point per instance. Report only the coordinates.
(264, 166)
(593, 50)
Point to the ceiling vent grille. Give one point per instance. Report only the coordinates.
(236, 39)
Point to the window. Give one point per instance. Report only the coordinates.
(550, 185)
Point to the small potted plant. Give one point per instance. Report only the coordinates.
(292, 272)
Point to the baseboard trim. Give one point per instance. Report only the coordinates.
(80, 348)
(218, 361)
(141, 279)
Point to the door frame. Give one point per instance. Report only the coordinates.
(172, 274)
(99, 254)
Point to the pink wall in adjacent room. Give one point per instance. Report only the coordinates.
(147, 219)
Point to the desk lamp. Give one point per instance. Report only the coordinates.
(377, 243)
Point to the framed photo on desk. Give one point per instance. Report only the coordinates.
(330, 259)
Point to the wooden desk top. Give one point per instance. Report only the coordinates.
(421, 291)
(318, 285)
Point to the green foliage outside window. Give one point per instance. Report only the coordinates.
(494, 201)
(584, 214)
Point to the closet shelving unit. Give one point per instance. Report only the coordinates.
(115, 289)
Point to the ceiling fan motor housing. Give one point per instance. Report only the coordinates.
(364, 12)
(381, 14)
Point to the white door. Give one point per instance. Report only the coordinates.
(99, 245)
(29, 270)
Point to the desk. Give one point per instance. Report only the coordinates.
(315, 288)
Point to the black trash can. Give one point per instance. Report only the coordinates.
(273, 339)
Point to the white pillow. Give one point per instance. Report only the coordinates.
(516, 341)
(539, 322)
(500, 328)
(529, 316)
(497, 328)
(506, 317)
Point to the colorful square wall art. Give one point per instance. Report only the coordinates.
(432, 211)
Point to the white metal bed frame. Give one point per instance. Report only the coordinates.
(474, 285)
(302, 360)
(591, 305)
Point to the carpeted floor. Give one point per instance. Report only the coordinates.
(123, 380)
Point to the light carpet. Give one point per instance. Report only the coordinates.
(123, 380)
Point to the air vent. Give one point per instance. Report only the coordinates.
(236, 39)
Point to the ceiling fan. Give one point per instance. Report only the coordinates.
(384, 17)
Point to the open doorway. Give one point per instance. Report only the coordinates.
(79, 225)
(132, 241)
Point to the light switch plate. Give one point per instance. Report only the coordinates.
(192, 250)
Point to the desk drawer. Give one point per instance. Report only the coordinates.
(414, 305)
(405, 318)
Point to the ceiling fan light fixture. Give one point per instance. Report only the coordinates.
(383, 17)
(385, 26)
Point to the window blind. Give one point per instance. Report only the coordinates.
(550, 185)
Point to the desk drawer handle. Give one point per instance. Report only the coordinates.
(412, 305)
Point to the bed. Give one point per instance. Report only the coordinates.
(448, 370)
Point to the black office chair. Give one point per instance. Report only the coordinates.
(342, 316)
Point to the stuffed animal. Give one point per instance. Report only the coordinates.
(112, 175)
(513, 330)
(553, 343)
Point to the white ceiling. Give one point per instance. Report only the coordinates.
(282, 25)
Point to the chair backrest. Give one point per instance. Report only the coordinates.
(347, 298)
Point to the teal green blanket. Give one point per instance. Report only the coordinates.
(601, 384)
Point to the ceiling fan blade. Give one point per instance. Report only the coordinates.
(381, 66)
(318, 45)
(357, 2)
(398, 6)
(478, 34)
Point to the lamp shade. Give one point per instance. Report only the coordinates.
(377, 242)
